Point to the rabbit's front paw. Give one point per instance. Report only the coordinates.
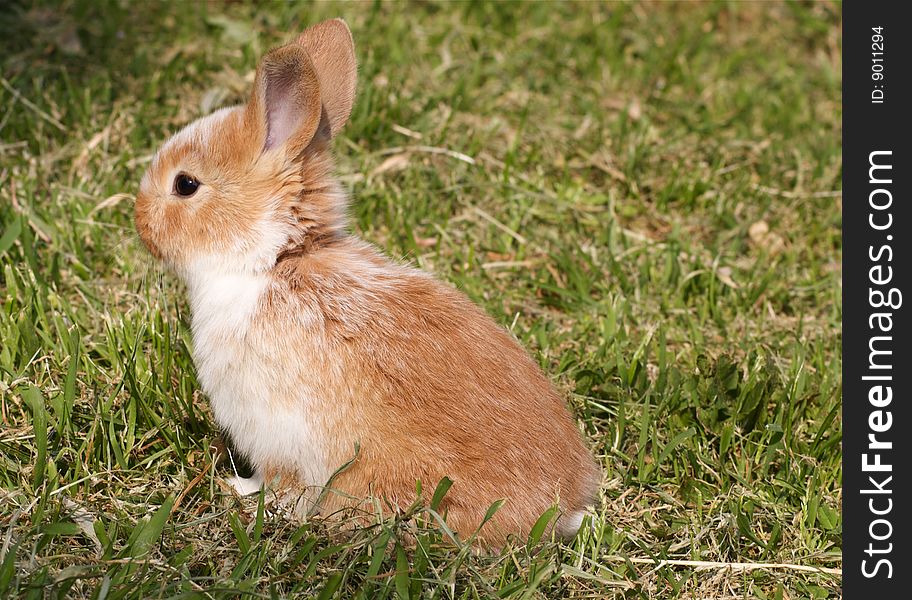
(246, 486)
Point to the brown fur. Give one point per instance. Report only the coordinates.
(332, 51)
(441, 391)
(409, 370)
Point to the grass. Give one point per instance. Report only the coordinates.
(647, 195)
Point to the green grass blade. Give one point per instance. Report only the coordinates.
(35, 400)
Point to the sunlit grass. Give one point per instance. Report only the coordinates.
(647, 195)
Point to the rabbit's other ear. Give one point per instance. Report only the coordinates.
(285, 108)
(332, 51)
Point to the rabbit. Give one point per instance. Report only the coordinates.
(340, 374)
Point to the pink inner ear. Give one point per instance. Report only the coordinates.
(283, 114)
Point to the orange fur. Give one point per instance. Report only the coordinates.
(366, 352)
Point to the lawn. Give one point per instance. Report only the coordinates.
(646, 194)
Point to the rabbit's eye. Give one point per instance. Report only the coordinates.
(185, 185)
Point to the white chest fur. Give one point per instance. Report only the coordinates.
(257, 396)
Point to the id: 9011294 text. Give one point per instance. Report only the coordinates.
(877, 65)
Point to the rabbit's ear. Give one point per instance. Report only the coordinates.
(285, 108)
(332, 51)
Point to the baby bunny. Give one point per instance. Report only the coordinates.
(317, 351)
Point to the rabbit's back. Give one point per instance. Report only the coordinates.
(427, 386)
